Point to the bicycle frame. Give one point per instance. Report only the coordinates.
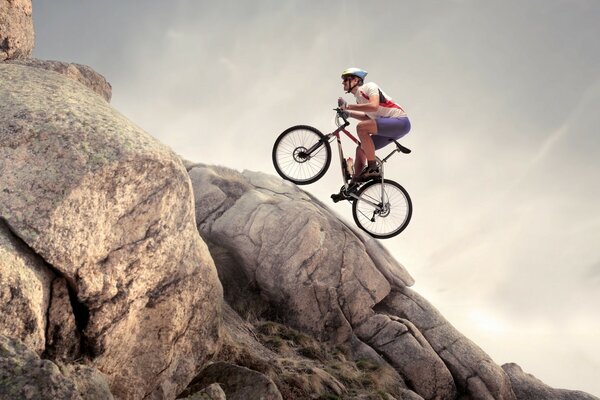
(336, 134)
(329, 138)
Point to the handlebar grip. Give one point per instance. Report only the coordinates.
(341, 113)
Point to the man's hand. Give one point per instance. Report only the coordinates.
(344, 114)
(342, 103)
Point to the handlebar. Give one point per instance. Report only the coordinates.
(343, 114)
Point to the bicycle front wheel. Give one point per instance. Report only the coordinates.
(383, 210)
(301, 154)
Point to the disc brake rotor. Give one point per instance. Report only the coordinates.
(385, 210)
(300, 154)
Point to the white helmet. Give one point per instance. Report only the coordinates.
(360, 73)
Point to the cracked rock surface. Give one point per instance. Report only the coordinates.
(299, 254)
(110, 210)
(408, 351)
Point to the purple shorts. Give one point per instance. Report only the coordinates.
(390, 128)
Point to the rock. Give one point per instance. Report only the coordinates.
(407, 350)
(25, 287)
(211, 392)
(109, 209)
(302, 367)
(16, 29)
(473, 370)
(408, 395)
(80, 73)
(323, 276)
(63, 337)
(238, 383)
(297, 254)
(528, 387)
(23, 375)
(333, 282)
(90, 383)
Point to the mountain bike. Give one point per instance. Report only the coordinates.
(380, 207)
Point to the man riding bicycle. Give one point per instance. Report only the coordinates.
(381, 120)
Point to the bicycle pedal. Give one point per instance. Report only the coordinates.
(337, 197)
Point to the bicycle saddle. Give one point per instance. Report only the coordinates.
(401, 148)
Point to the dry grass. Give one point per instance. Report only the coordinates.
(304, 368)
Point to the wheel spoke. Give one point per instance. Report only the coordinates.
(289, 155)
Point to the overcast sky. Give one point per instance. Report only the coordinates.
(503, 98)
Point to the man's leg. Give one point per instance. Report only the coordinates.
(360, 161)
(365, 129)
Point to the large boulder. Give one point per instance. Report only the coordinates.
(16, 29)
(320, 275)
(300, 255)
(110, 210)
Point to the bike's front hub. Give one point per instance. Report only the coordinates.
(300, 154)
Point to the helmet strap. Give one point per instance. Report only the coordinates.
(355, 85)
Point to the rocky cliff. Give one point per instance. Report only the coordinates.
(128, 273)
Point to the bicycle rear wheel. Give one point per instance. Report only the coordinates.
(301, 154)
(383, 210)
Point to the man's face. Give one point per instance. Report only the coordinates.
(348, 82)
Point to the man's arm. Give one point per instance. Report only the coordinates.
(371, 106)
(357, 114)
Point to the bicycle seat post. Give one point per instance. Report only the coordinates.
(399, 148)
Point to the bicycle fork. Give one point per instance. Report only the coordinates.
(309, 152)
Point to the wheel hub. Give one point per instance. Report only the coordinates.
(385, 210)
(300, 155)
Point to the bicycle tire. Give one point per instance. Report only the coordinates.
(289, 161)
(393, 220)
